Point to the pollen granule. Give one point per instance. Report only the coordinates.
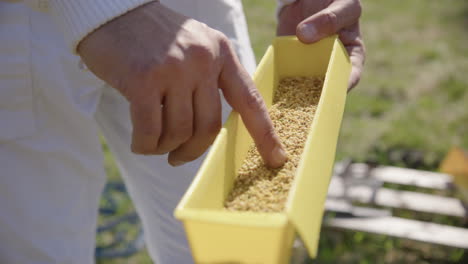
(258, 188)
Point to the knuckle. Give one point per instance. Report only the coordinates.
(170, 63)
(267, 137)
(212, 128)
(144, 121)
(173, 61)
(149, 152)
(181, 158)
(254, 100)
(358, 7)
(180, 155)
(363, 50)
(161, 149)
(201, 52)
(143, 150)
(181, 131)
(224, 45)
(222, 38)
(331, 20)
(189, 156)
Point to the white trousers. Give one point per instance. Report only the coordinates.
(51, 164)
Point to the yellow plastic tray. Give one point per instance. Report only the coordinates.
(219, 236)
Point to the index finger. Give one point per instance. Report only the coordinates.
(241, 93)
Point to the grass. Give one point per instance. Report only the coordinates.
(413, 95)
(415, 72)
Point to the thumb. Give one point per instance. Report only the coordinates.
(338, 15)
(241, 93)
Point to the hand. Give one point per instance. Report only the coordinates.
(312, 20)
(169, 67)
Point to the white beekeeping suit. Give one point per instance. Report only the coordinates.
(51, 113)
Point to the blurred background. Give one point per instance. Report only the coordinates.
(409, 109)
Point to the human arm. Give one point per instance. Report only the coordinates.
(169, 68)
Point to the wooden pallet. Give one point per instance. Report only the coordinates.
(360, 183)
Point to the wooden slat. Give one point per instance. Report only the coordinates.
(404, 228)
(397, 199)
(299, 253)
(345, 207)
(418, 178)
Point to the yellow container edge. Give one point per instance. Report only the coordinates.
(244, 218)
(309, 231)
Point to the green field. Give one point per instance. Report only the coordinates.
(413, 95)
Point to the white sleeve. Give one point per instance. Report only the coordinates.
(281, 4)
(78, 18)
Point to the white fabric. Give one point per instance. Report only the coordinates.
(81, 17)
(50, 155)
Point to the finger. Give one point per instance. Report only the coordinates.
(241, 93)
(177, 120)
(207, 123)
(352, 40)
(288, 18)
(338, 15)
(357, 62)
(146, 121)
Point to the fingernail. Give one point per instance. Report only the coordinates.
(279, 157)
(308, 32)
(177, 163)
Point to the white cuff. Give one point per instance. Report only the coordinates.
(281, 4)
(78, 18)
